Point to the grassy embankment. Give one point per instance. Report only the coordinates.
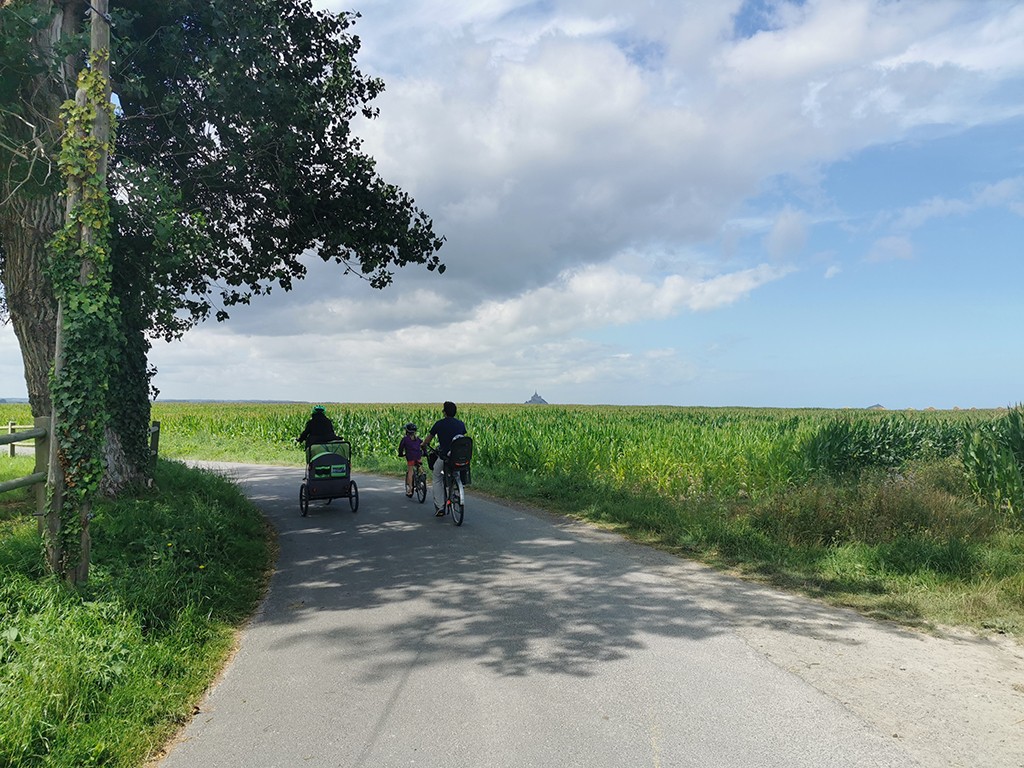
(875, 511)
(105, 674)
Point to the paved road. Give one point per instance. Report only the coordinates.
(391, 638)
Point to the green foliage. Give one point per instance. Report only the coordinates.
(18, 413)
(236, 156)
(849, 444)
(680, 453)
(875, 507)
(104, 674)
(993, 456)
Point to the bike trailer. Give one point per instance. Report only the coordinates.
(328, 475)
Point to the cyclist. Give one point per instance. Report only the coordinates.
(319, 428)
(445, 430)
(411, 447)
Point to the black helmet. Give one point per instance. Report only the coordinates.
(318, 408)
(410, 427)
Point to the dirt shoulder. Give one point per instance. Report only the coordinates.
(952, 699)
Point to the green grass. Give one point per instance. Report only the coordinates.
(103, 675)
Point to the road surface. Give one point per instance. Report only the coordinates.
(390, 638)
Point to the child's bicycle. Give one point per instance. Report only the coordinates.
(419, 482)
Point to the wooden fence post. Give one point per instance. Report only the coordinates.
(55, 491)
(154, 444)
(42, 460)
(10, 431)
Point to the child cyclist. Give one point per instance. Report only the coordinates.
(411, 447)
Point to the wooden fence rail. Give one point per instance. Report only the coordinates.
(40, 434)
(13, 428)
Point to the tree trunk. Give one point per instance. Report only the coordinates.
(126, 450)
(31, 212)
(25, 228)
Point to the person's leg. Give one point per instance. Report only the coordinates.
(437, 485)
(408, 478)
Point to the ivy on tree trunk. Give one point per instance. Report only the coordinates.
(87, 312)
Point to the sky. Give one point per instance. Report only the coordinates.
(763, 203)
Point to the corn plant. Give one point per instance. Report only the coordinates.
(851, 444)
(993, 459)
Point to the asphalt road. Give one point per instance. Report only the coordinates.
(392, 638)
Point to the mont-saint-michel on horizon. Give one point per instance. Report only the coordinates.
(535, 399)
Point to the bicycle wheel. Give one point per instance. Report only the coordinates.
(457, 502)
(420, 483)
(303, 500)
(353, 495)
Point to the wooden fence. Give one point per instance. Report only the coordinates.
(40, 434)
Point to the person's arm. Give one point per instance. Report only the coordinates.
(401, 447)
(426, 443)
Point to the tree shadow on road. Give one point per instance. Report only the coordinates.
(521, 592)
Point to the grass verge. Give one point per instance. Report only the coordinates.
(105, 674)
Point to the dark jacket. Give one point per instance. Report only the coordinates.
(319, 429)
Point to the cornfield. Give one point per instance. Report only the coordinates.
(673, 452)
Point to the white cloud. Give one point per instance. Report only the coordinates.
(788, 234)
(1007, 193)
(598, 165)
(813, 37)
(540, 141)
(891, 249)
(978, 36)
(537, 336)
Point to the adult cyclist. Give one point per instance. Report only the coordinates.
(445, 430)
(319, 428)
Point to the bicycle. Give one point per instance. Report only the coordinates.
(454, 493)
(454, 476)
(419, 482)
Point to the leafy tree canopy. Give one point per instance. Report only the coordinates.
(237, 116)
(234, 151)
